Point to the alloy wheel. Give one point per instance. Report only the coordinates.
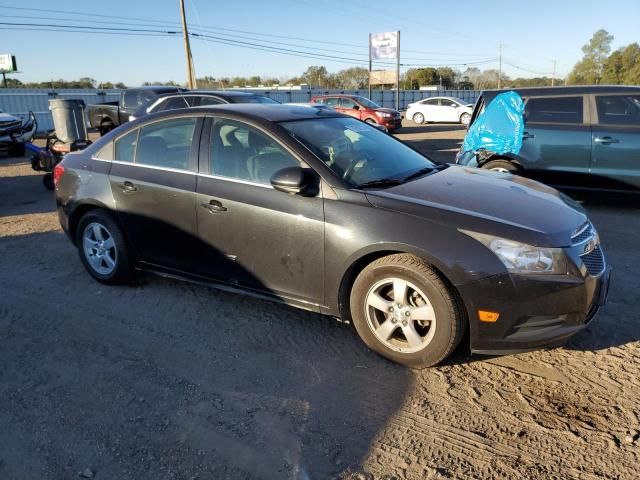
(99, 248)
(400, 315)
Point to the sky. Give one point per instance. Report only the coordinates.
(433, 33)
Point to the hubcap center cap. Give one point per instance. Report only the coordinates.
(399, 313)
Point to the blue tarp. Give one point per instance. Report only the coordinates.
(499, 127)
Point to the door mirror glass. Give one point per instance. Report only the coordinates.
(356, 107)
(290, 180)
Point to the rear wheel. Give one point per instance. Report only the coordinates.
(103, 249)
(403, 310)
(418, 118)
(465, 118)
(503, 166)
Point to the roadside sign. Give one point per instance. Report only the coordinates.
(8, 63)
(384, 45)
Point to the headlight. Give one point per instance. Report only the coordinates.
(522, 258)
(386, 115)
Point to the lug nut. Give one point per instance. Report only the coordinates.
(407, 313)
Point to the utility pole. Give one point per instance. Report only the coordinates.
(191, 77)
(553, 77)
(499, 64)
(370, 66)
(398, 72)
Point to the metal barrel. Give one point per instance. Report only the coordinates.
(69, 119)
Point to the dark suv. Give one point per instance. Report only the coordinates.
(574, 137)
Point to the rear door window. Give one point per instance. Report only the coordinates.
(433, 101)
(554, 110)
(171, 103)
(618, 109)
(332, 102)
(347, 103)
(166, 144)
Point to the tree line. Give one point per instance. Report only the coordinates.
(597, 66)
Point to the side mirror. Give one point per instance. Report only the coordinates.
(291, 180)
(356, 107)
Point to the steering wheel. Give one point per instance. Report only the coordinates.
(361, 160)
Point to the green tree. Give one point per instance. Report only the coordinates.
(352, 78)
(623, 66)
(316, 76)
(589, 70)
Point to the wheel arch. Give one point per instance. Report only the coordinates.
(360, 260)
(80, 210)
(503, 156)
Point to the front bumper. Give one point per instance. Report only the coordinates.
(391, 123)
(535, 311)
(18, 134)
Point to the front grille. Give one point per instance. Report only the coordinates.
(582, 234)
(594, 261)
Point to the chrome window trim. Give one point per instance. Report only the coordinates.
(236, 180)
(154, 167)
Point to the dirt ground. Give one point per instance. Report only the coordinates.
(167, 380)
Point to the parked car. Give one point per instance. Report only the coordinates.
(440, 109)
(197, 98)
(107, 116)
(578, 138)
(318, 210)
(15, 132)
(362, 108)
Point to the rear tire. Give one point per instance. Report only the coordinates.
(103, 249)
(465, 118)
(404, 311)
(503, 166)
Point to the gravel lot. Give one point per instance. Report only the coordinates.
(170, 380)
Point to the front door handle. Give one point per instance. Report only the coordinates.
(127, 187)
(214, 206)
(527, 135)
(606, 140)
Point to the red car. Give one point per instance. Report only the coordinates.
(362, 108)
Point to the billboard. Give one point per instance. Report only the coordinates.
(8, 63)
(383, 77)
(384, 45)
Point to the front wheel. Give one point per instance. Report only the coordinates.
(403, 310)
(418, 118)
(465, 118)
(103, 249)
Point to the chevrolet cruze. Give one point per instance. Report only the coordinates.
(321, 211)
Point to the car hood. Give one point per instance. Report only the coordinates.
(6, 119)
(499, 204)
(387, 110)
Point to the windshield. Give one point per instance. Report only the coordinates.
(357, 152)
(252, 99)
(365, 102)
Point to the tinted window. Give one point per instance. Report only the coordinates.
(244, 153)
(170, 103)
(367, 103)
(448, 103)
(196, 101)
(131, 99)
(332, 102)
(126, 147)
(356, 151)
(166, 144)
(618, 109)
(554, 110)
(347, 103)
(252, 99)
(433, 101)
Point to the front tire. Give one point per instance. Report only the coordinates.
(465, 118)
(502, 166)
(418, 118)
(103, 249)
(404, 311)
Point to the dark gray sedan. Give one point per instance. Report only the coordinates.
(324, 212)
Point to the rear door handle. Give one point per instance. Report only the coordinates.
(606, 140)
(527, 135)
(214, 206)
(127, 187)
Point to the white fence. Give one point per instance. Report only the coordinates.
(20, 101)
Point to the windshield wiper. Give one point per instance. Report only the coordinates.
(423, 171)
(380, 183)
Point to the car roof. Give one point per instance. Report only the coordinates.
(569, 90)
(351, 95)
(219, 93)
(272, 112)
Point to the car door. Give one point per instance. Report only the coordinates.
(615, 161)
(556, 143)
(449, 110)
(153, 183)
(256, 236)
(349, 107)
(429, 108)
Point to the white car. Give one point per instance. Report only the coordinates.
(440, 109)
